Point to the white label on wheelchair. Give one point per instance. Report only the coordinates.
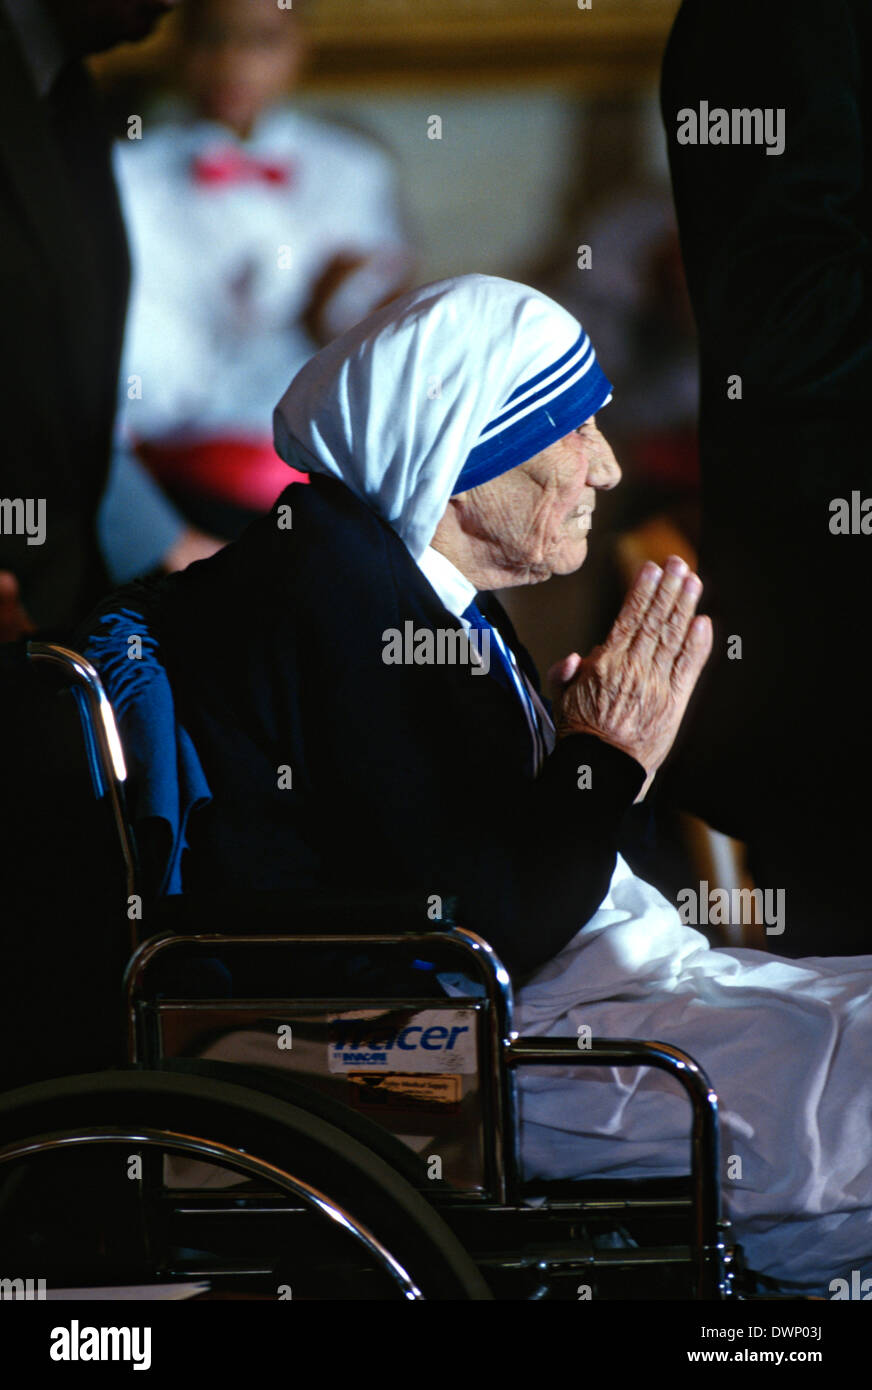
(432, 1041)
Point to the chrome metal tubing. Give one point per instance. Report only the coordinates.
(105, 755)
(230, 1158)
(501, 1137)
(709, 1249)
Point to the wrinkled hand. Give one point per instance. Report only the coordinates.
(14, 620)
(633, 691)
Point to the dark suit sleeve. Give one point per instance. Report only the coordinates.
(421, 781)
(776, 246)
(541, 865)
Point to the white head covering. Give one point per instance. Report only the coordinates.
(472, 375)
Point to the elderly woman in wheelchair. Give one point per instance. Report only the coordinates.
(344, 709)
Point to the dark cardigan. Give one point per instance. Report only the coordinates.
(407, 779)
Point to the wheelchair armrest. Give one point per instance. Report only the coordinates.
(704, 1132)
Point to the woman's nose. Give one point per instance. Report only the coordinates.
(604, 471)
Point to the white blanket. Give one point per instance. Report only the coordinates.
(786, 1044)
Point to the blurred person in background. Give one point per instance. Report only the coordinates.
(776, 234)
(64, 281)
(64, 277)
(258, 234)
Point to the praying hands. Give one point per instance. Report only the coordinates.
(633, 690)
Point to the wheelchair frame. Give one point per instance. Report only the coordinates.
(501, 1050)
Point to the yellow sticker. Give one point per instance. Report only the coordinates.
(431, 1093)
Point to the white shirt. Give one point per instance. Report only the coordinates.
(222, 275)
(453, 588)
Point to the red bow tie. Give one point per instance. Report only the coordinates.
(224, 167)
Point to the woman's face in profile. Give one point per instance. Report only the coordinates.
(535, 519)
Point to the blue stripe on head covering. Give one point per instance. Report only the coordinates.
(538, 412)
(512, 371)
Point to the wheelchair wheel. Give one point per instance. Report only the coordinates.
(286, 1086)
(261, 1135)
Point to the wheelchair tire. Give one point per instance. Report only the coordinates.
(271, 1129)
(286, 1087)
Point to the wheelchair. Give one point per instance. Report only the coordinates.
(276, 1121)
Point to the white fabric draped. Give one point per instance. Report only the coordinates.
(787, 1045)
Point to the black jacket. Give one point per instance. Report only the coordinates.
(778, 253)
(404, 778)
(63, 286)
